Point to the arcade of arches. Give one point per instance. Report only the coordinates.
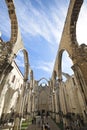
(64, 101)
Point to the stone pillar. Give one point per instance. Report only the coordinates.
(30, 93)
(81, 102)
(2, 98)
(20, 108)
(80, 67)
(59, 101)
(33, 103)
(81, 83)
(51, 101)
(8, 97)
(34, 85)
(54, 86)
(53, 105)
(29, 109)
(4, 74)
(65, 104)
(56, 106)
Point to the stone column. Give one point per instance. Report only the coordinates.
(4, 75)
(30, 94)
(80, 67)
(53, 104)
(81, 83)
(65, 104)
(2, 98)
(20, 108)
(59, 102)
(8, 97)
(56, 106)
(33, 103)
(54, 86)
(29, 102)
(33, 97)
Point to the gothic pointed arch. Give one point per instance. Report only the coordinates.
(13, 19)
(68, 40)
(43, 78)
(6, 47)
(26, 63)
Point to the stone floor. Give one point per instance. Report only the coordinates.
(51, 123)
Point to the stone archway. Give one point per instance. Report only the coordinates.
(78, 54)
(68, 40)
(11, 48)
(43, 94)
(43, 78)
(61, 63)
(26, 64)
(23, 89)
(21, 100)
(6, 48)
(16, 40)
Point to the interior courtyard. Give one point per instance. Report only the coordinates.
(27, 103)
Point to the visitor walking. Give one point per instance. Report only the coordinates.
(47, 127)
(43, 126)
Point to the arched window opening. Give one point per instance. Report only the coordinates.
(20, 61)
(66, 66)
(43, 82)
(13, 79)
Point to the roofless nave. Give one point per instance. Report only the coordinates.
(20, 97)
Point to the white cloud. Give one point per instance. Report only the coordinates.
(20, 59)
(44, 66)
(19, 63)
(39, 22)
(44, 22)
(82, 25)
(5, 26)
(20, 54)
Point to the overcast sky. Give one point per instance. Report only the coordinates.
(41, 24)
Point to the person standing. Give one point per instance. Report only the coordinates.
(47, 127)
(43, 127)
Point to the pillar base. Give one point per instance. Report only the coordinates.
(16, 124)
(57, 118)
(53, 115)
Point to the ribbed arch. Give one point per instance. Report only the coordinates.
(26, 63)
